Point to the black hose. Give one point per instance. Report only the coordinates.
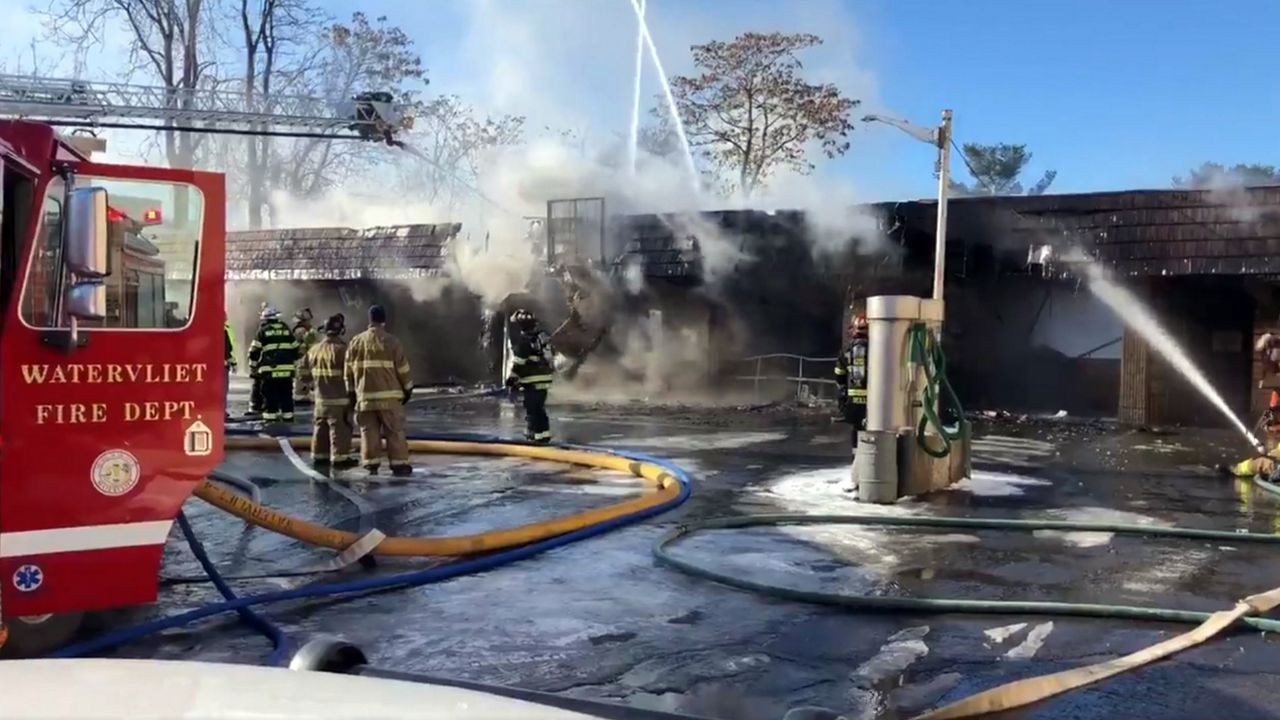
(938, 605)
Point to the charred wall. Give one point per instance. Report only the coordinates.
(443, 335)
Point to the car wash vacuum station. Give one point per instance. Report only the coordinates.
(906, 449)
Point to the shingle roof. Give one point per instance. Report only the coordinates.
(403, 251)
(1137, 232)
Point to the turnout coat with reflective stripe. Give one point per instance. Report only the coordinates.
(531, 360)
(322, 367)
(274, 351)
(851, 371)
(377, 370)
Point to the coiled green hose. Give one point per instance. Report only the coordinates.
(926, 351)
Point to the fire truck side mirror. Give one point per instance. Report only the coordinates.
(87, 233)
(87, 300)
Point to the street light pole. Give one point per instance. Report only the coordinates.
(941, 138)
(944, 179)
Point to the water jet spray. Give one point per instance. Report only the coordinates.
(666, 92)
(1141, 320)
(633, 134)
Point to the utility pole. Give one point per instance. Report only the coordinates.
(944, 179)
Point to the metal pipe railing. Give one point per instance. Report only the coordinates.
(799, 378)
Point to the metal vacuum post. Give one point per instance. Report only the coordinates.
(889, 415)
(890, 462)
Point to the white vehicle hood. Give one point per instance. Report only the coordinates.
(163, 690)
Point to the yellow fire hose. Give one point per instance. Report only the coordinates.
(667, 488)
(1034, 689)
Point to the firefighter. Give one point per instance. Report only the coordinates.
(379, 386)
(1268, 349)
(851, 378)
(229, 340)
(273, 358)
(255, 392)
(531, 370)
(321, 367)
(307, 337)
(1264, 465)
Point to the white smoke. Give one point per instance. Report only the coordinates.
(633, 275)
(1229, 190)
(582, 81)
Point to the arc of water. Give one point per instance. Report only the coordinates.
(634, 132)
(666, 91)
(1139, 318)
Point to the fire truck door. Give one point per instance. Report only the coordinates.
(108, 431)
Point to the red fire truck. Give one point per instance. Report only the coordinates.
(111, 348)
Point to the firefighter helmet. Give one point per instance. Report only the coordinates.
(859, 323)
(335, 325)
(269, 313)
(524, 319)
(303, 315)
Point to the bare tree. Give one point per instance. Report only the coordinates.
(169, 43)
(453, 142)
(354, 57)
(748, 111)
(278, 40)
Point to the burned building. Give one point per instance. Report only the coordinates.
(1029, 336)
(1022, 332)
(344, 270)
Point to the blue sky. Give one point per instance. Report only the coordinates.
(1110, 94)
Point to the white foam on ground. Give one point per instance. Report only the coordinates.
(1088, 514)
(954, 538)
(895, 656)
(699, 441)
(998, 635)
(817, 491)
(997, 484)
(873, 548)
(1028, 648)
(1092, 514)
(1081, 539)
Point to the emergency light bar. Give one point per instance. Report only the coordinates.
(150, 216)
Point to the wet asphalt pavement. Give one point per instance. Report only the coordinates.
(600, 619)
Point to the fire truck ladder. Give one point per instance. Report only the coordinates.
(373, 116)
(80, 103)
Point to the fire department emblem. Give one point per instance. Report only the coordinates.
(115, 473)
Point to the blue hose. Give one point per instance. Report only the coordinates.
(279, 644)
(408, 579)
